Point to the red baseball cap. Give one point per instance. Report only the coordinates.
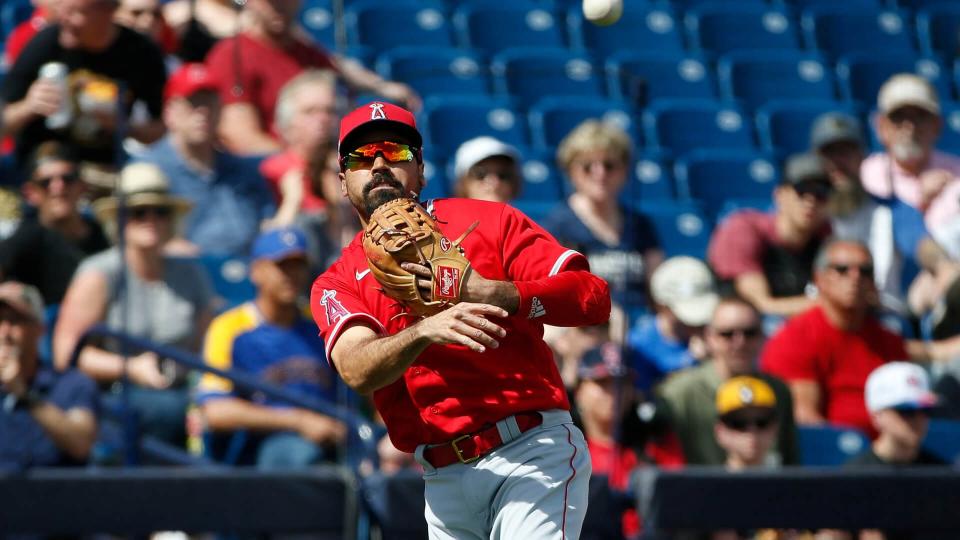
(378, 114)
(188, 80)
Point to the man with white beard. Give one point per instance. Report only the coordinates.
(908, 124)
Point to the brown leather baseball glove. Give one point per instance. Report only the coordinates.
(402, 231)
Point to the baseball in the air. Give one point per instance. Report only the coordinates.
(602, 12)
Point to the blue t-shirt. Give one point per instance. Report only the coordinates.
(620, 265)
(229, 203)
(23, 442)
(653, 356)
(292, 358)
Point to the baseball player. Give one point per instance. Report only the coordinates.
(472, 390)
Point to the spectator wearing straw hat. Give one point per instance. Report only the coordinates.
(141, 292)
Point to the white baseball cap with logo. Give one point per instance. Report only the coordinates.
(899, 385)
(685, 285)
(906, 89)
(478, 149)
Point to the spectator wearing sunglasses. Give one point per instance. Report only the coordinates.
(767, 257)
(230, 198)
(54, 236)
(826, 353)
(686, 400)
(894, 231)
(141, 292)
(746, 426)
(488, 170)
(620, 243)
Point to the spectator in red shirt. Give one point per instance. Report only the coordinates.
(254, 65)
(768, 256)
(826, 353)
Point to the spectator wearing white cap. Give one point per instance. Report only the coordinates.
(487, 169)
(908, 123)
(899, 401)
(684, 298)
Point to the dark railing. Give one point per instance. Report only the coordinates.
(363, 433)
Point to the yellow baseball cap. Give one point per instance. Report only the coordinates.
(742, 392)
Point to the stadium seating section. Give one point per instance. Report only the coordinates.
(701, 85)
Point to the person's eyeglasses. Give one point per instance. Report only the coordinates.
(818, 190)
(366, 154)
(480, 173)
(746, 423)
(909, 413)
(44, 182)
(747, 333)
(142, 212)
(608, 165)
(865, 270)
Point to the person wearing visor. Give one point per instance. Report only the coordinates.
(472, 391)
(768, 257)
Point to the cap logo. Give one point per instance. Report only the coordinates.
(376, 112)
(746, 395)
(289, 238)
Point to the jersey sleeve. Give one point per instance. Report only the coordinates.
(218, 353)
(735, 248)
(335, 302)
(554, 283)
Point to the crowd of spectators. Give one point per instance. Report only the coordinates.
(147, 155)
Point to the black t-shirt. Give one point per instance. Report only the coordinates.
(45, 258)
(132, 64)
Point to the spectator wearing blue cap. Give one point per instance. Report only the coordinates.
(274, 339)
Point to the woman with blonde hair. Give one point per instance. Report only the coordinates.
(619, 241)
(143, 293)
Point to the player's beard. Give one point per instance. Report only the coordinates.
(372, 200)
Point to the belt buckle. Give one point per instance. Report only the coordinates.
(459, 452)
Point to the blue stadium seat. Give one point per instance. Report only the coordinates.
(12, 13)
(862, 75)
(950, 136)
(528, 74)
(679, 126)
(800, 5)
(839, 30)
(783, 127)
(642, 77)
(640, 28)
(316, 17)
(722, 27)
(830, 445)
(553, 117)
(735, 204)
(683, 228)
(756, 77)
(448, 121)
(650, 179)
(494, 27)
(713, 176)
(915, 5)
(684, 5)
(542, 181)
(436, 70)
(943, 439)
(937, 29)
(412, 22)
(230, 277)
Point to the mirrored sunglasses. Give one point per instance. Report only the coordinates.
(366, 154)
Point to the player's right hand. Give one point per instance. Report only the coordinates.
(44, 97)
(466, 324)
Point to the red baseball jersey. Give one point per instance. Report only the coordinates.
(450, 390)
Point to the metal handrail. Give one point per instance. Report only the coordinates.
(366, 432)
